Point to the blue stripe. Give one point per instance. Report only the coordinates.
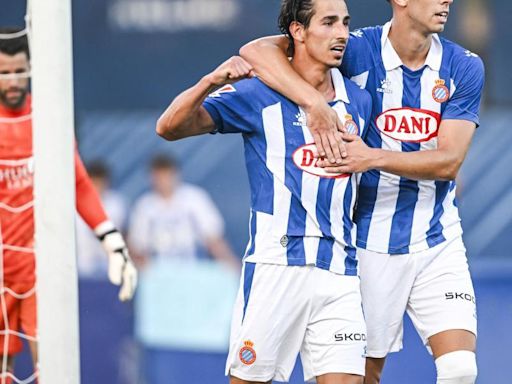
(347, 214)
(350, 261)
(295, 251)
(261, 180)
(323, 206)
(325, 253)
(401, 225)
(294, 138)
(248, 278)
(369, 183)
(435, 232)
(250, 251)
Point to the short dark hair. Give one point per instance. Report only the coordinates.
(300, 11)
(98, 169)
(14, 45)
(160, 162)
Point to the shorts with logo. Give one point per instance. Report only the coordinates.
(433, 286)
(281, 311)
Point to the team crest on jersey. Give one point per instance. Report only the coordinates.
(410, 125)
(247, 353)
(440, 93)
(306, 158)
(350, 125)
(225, 89)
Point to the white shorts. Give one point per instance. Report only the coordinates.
(434, 287)
(283, 310)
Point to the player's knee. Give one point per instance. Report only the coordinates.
(457, 367)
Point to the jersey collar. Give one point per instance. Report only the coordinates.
(339, 86)
(391, 59)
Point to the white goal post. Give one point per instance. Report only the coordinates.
(50, 37)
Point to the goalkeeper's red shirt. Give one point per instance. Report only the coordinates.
(16, 195)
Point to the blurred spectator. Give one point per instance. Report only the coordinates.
(92, 261)
(175, 220)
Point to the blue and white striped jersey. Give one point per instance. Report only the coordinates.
(394, 214)
(299, 215)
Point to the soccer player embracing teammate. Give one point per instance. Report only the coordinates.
(426, 94)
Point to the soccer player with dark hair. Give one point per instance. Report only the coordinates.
(299, 290)
(426, 93)
(18, 294)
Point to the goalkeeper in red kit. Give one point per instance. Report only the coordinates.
(17, 260)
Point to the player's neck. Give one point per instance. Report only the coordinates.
(315, 74)
(411, 45)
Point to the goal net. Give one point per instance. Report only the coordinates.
(37, 191)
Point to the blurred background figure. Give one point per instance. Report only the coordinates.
(184, 300)
(177, 220)
(92, 262)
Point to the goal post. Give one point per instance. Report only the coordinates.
(50, 34)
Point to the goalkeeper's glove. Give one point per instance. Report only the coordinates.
(121, 270)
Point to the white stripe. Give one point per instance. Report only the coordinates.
(450, 219)
(249, 243)
(389, 185)
(424, 209)
(338, 258)
(361, 79)
(453, 88)
(309, 194)
(276, 158)
(311, 249)
(14, 163)
(338, 192)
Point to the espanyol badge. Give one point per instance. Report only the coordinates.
(350, 125)
(247, 354)
(440, 93)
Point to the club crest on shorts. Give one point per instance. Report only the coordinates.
(350, 125)
(247, 353)
(440, 93)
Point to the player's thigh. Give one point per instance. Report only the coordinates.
(443, 300)
(339, 378)
(374, 368)
(334, 346)
(451, 341)
(236, 380)
(269, 322)
(386, 281)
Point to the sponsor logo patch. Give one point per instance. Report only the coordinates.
(440, 93)
(306, 158)
(410, 125)
(247, 353)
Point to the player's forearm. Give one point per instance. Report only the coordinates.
(184, 116)
(270, 62)
(421, 165)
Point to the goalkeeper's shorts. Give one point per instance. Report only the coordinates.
(19, 316)
(283, 310)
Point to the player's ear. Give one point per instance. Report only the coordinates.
(297, 31)
(400, 3)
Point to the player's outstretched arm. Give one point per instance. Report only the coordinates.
(186, 116)
(442, 163)
(268, 57)
(121, 270)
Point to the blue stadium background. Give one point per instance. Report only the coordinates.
(133, 56)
